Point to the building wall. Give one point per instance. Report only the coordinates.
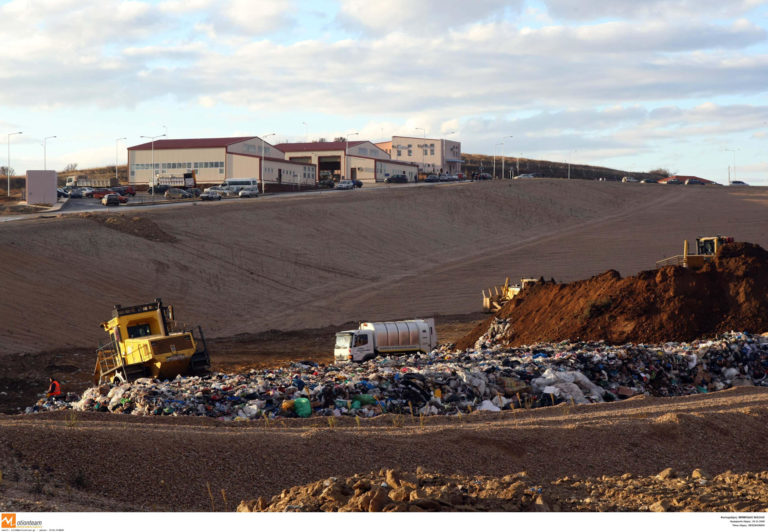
(384, 169)
(209, 163)
(432, 155)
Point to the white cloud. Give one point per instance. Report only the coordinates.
(422, 17)
(252, 18)
(653, 9)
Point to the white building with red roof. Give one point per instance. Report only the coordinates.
(216, 159)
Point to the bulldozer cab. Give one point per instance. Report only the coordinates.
(145, 341)
(709, 245)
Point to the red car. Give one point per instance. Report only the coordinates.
(99, 193)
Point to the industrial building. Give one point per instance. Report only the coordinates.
(433, 156)
(360, 160)
(216, 159)
(290, 166)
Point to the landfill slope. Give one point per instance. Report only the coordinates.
(669, 304)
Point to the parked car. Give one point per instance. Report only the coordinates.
(124, 190)
(739, 184)
(326, 183)
(177, 193)
(75, 193)
(447, 177)
(210, 195)
(159, 189)
(628, 179)
(61, 193)
(694, 182)
(432, 178)
(87, 192)
(194, 191)
(345, 184)
(218, 189)
(673, 181)
(358, 183)
(249, 192)
(483, 176)
(110, 199)
(99, 193)
(649, 180)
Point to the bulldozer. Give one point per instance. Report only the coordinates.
(498, 295)
(706, 249)
(146, 341)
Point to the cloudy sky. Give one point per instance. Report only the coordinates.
(636, 85)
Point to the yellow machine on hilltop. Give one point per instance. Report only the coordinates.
(498, 295)
(706, 249)
(145, 341)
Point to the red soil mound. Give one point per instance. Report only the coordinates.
(669, 304)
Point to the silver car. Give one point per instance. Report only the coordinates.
(345, 184)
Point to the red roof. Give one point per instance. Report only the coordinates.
(175, 144)
(317, 146)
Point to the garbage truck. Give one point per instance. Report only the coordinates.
(146, 341)
(371, 339)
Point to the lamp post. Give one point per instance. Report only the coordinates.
(263, 180)
(494, 157)
(346, 151)
(8, 168)
(733, 151)
(116, 141)
(153, 176)
(503, 158)
(45, 158)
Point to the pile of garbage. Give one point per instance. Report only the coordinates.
(446, 381)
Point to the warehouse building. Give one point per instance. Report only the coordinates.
(337, 160)
(215, 159)
(433, 156)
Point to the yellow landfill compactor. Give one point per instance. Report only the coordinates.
(498, 295)
(146, 341)
(706, 249)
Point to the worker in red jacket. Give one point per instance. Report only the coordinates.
(54, 389)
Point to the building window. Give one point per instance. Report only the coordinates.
(399, 153)
(432, 151)
(410, 152)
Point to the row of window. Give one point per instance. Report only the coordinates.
(179, 166)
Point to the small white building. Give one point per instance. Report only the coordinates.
(215, 159)
(360, 159)
(433, 156)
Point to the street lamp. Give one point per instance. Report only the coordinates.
(8, 168)
(347, 170)
(732, 150)
(116, 141)
(45, 159)
(494, 157)
(263, 181)
(153, 175)
(502, 155)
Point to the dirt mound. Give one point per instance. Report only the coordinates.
(396, 491)
(132, 225)
(669, 304)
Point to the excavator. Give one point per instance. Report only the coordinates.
(146, 341)
(498, 295)
(706, 249)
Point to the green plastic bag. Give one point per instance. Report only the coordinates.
(365, 399)
(302, 407)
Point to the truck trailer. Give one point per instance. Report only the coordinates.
(371, 339)
(90, 181)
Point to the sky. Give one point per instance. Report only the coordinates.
(633, 85)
